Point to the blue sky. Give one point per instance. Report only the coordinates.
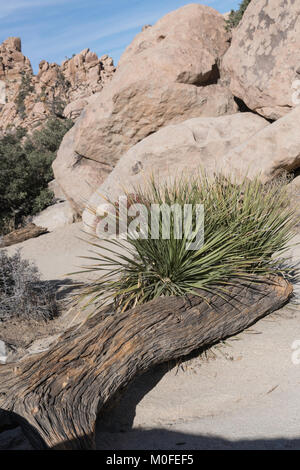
(55, 29)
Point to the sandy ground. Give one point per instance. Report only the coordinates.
(245, 395)
(57, 253)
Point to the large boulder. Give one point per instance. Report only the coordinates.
(276, 148)
(55, 216)
(263, 61)
(168, 74)
(174, 150)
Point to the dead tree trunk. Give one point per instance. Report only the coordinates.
(58, 394)
(22, 234)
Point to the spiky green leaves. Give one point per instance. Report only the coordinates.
(245, 224)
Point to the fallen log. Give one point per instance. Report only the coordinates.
(58, 394)
(20, 235)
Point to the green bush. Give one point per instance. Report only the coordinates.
(25, 171)
(245, 224)
(236, 15)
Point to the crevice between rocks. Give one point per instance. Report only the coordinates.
(79, 157)
(212, 79)
(243, 108)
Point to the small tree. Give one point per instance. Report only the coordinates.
(236, 15)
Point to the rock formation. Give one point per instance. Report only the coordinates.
(274, 149)
(55, 216)
(27, 100)
(168, 74)
(263, 61)
(185, 147)
(185, 66)
(237, 145)
(12, 65)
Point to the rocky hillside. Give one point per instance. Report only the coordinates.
(27, 100)
(187, 92)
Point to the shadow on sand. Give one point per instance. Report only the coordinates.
(13, 430)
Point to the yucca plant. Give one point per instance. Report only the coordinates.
(245, 224)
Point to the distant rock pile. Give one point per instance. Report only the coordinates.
(12, 65)
(27, 100)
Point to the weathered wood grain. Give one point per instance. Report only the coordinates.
(58, 394)
(22, 234)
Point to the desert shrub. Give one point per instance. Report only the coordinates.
(235, 16)
(245, 224)
(48, 138)
(26, 170)
(22, 293)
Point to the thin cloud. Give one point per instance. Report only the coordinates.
(14, 5)
(77, 36)
(80, 35)
(64, 27)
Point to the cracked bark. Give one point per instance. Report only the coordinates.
(56, 395)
